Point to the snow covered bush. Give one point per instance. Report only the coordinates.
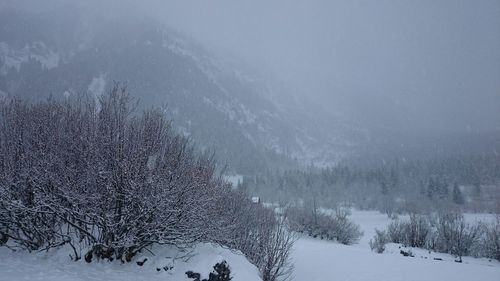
(455, 236)
(446, 233)
(396, 231)
(491, 240)
(379, 241)
(345, 231)
(319, 225)
(110, 182)
(264, 239)
(99, 175)
(277, 264)
(416, 231)
(412, 233)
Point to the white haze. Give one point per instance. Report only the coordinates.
(429, 66)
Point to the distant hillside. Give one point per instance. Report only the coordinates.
(217, 103)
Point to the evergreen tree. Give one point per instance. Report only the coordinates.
(431, 188)
(477, 191)
(458, 198)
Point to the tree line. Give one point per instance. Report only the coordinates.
(465, 182)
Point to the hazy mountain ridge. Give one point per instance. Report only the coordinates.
(250, 119)
(217, 103)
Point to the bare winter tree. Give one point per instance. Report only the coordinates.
(277, 265)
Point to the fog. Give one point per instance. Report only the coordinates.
(198, 129)
(430, 67)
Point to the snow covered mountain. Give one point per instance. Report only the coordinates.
(216, 102)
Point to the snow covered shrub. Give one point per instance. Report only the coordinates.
(416, 231)
(319, 225)
(276, 264)
(412, 233)
(455, 236)
(100, 175)
(110, 182)
(345, 231)
(447, 233)
(264, 239)
(491, 240)
(395, 232)
(379, 241)
(300, 220)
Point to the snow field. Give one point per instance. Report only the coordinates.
(314, 260)
(319, 260)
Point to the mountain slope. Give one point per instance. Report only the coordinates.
(215, 102)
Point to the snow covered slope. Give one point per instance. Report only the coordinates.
(56, 266)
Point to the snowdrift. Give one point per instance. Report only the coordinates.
(166, 264)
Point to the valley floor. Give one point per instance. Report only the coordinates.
(318, 260)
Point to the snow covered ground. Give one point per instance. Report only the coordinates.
(314, 259)
(317, 260)
(56, 266)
